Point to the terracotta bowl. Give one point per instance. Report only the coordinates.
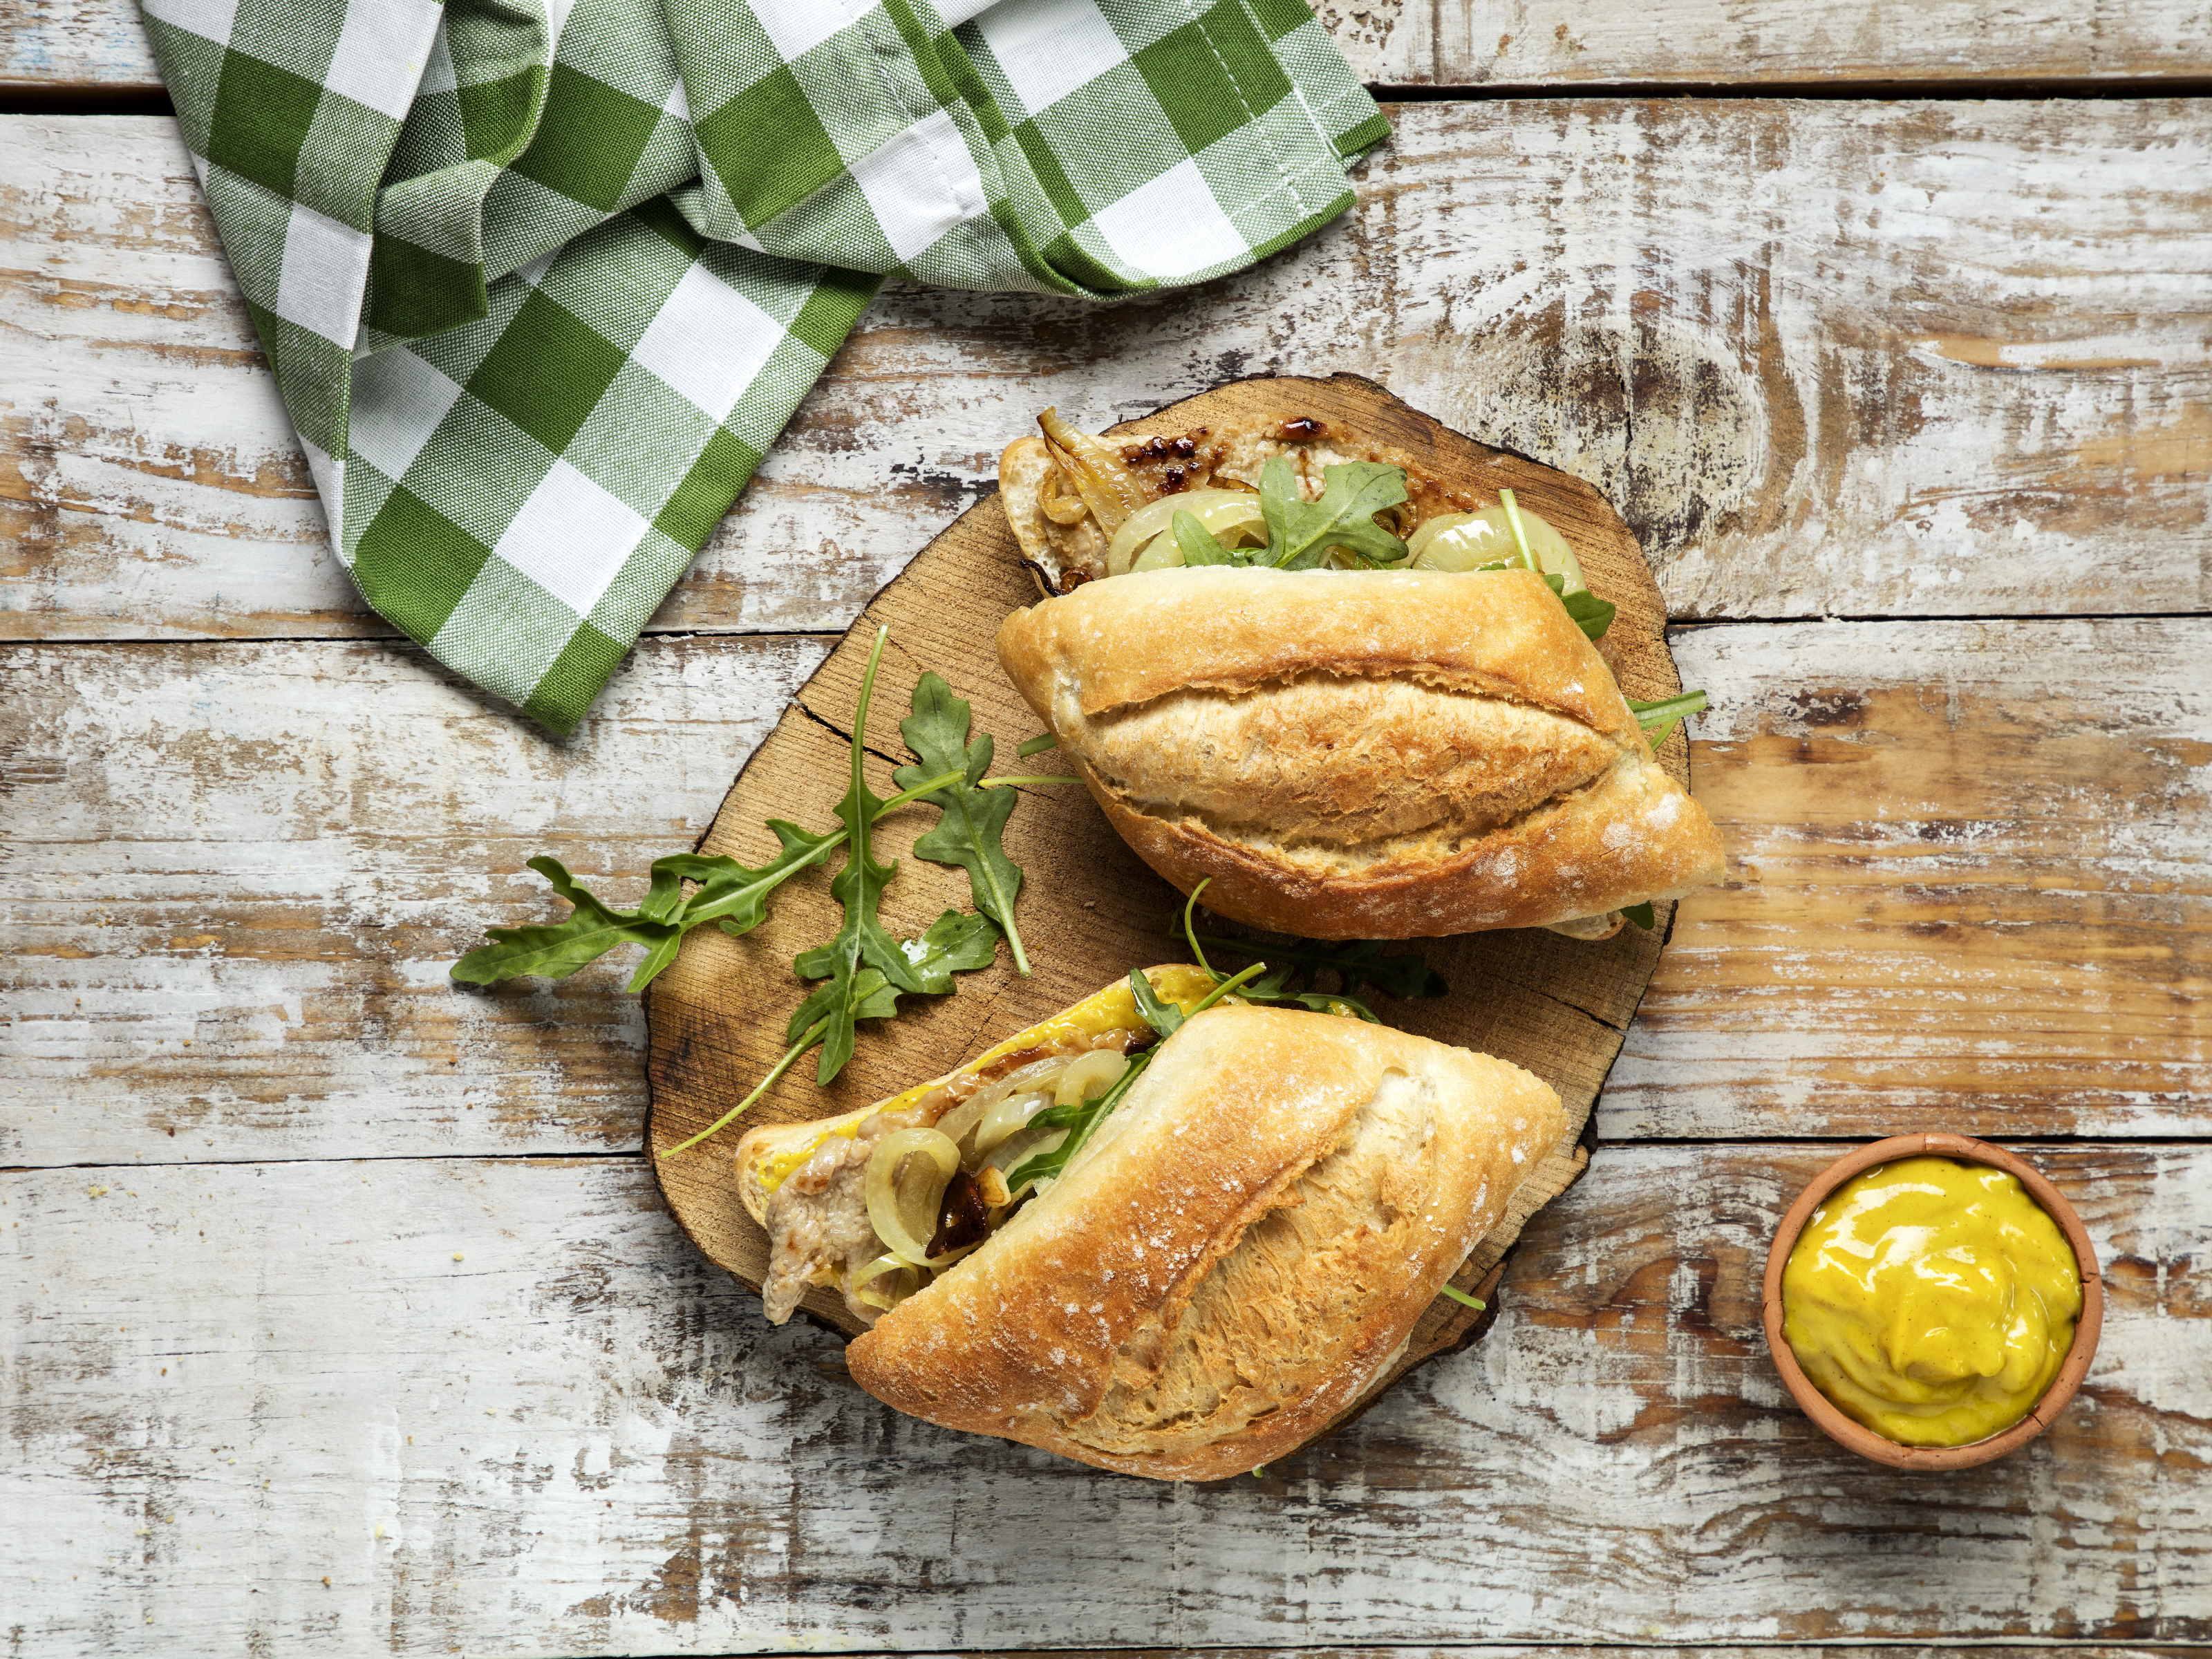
(1847, 1431)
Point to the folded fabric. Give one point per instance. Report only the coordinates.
(541, 285)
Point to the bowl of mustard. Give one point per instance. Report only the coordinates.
(1932, 1302)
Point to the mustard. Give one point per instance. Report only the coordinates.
(1933, 1301)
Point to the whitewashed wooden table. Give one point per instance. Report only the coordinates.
(337, 1310)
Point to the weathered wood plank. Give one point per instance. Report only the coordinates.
(1497, 45)
(232, 878)
(501, 1408)
(1972, 891)
(1827, 358)
(1974, 888)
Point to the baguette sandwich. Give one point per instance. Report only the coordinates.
(1254, 1214)
(1357, 703)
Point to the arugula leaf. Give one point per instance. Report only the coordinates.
(1660, 717)
(861, 942)
(973, 819)
(1591, 613)
(957, 942)
(1202, 546)
(729, 892)
(1462, 1297)
(1642, 915)
(1301, 533)
(1363, 964)
(1038, 744)
(558, 949)
(1164, 1018)
(1089, 1114)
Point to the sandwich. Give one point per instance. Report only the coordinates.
(1357, 702)
(1177, 1255)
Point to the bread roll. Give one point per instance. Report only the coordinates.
(1360, 754)
(1240, 1252)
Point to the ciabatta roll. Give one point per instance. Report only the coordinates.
(1370, 754)
(1354, 702)
(1235, 1257)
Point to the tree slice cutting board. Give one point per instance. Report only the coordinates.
(1089, 911)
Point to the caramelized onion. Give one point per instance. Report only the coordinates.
(903, 1204)
(1107, 486)
(1054, 503)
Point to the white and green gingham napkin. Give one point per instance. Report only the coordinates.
(540, 283)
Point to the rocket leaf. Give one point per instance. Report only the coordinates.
(969, 833)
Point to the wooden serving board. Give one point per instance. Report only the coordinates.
(1089, 911)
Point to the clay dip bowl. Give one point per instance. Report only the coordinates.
(1848, 1432)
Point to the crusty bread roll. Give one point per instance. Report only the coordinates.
(1360, 754)
(1240, 1252)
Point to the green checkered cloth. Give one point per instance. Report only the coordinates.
(540, 285)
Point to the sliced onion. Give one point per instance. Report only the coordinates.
(1089, 1077)
(955, 1124)
(1055, 503)
(1108, 488)
(1010, 1116)
(1161, 553)
(1468, 541)
(1017, 1149)
(902, 1208)
(884, 1283)
(1228, 514)
(958, 1125)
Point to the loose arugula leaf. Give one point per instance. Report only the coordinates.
(957, 942)
(861, 942)
(1660, 717)
(1038, 744)
(1301, 533)
(1462, 1297)
(558, 949)
(727, 892)
(1642, 915)
(968, 832)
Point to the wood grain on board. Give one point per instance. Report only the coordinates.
(1971, 892)
(98, 46)
(1841, 358)
(423, 1406)
(1553, 1004)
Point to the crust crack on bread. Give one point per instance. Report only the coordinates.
(1242, 1248)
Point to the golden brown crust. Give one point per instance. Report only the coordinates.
(1360, 754)
(1242, 1248)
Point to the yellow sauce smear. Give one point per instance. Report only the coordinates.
(1933, 1301)
(1113, 1009)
